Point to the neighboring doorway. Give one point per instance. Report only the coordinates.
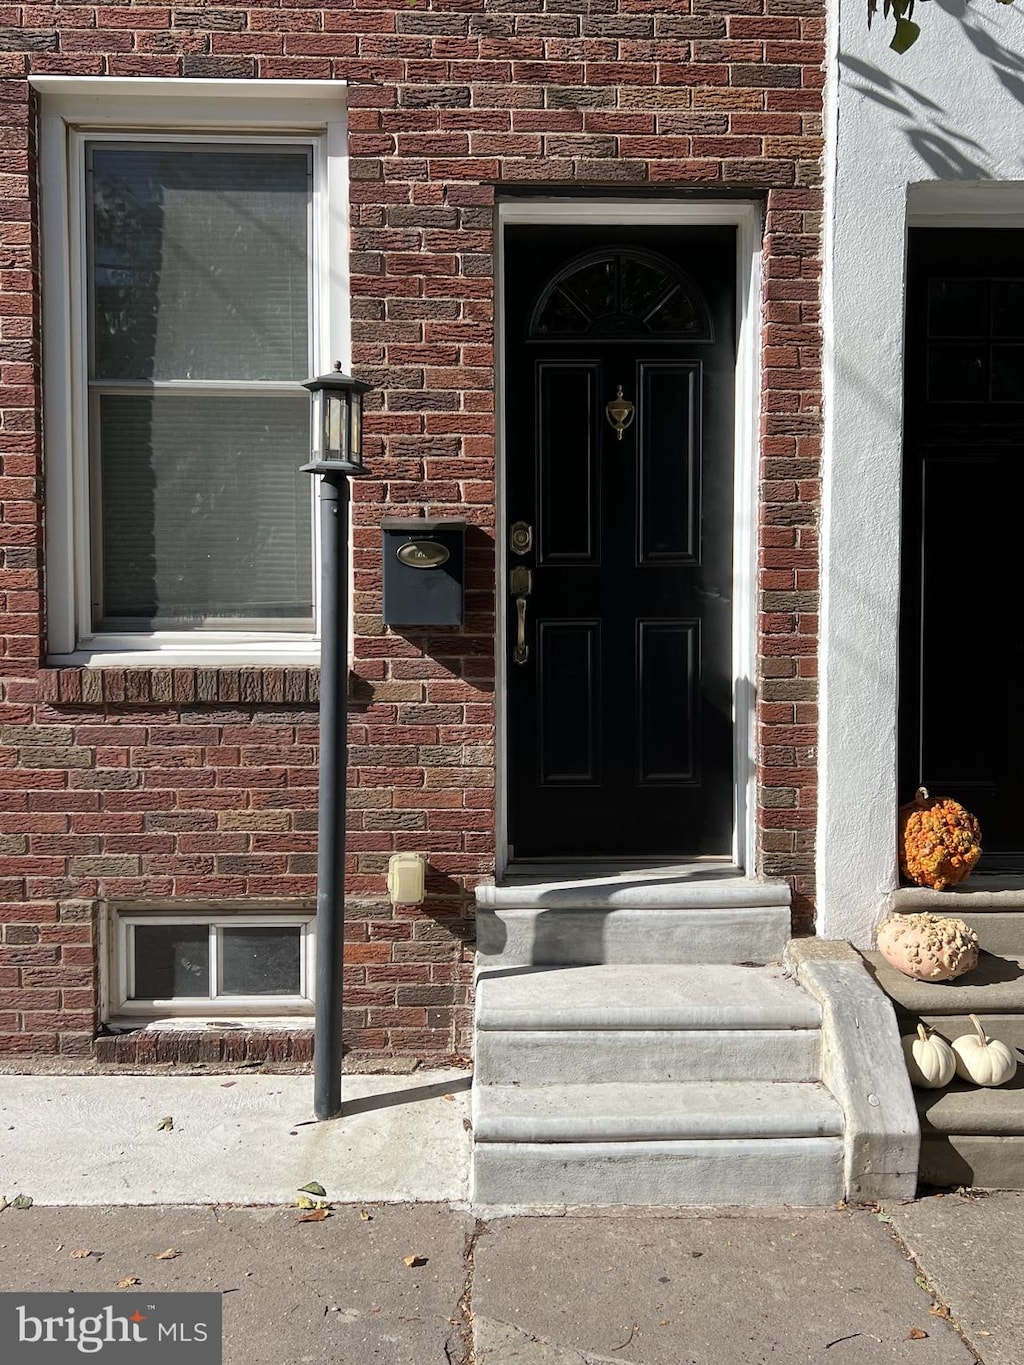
(962, 643)
(620, 353)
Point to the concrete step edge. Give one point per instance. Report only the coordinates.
(658, 1111)
(699, 890)
(963, 1109)
(995, 986)
(567, 935)
(564, 1055)
(643, 997)
(800, 1172)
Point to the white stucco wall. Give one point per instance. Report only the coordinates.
(937, 133)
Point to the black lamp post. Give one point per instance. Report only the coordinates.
(337, 429)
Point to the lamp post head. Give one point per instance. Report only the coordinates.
(337, 425)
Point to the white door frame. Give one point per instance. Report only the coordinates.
(746, 216)
(857, 866)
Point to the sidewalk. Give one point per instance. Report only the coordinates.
(572, 1287)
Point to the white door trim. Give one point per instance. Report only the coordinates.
(746, 215)
(857, 856)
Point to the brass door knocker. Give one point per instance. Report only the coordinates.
(620, 412)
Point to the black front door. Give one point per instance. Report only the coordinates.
(962, 719)
(619, 365)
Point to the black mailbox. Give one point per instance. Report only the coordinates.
(424, 571)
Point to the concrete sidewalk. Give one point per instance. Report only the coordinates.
(562, 1287)
(425, 1284)
(242, 1138)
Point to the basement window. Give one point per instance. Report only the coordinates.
(222, 964)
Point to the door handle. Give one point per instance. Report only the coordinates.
(520, 582)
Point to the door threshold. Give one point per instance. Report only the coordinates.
(620, 869)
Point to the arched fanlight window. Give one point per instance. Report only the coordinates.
(620, 295)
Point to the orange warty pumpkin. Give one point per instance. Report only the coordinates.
(940, 842)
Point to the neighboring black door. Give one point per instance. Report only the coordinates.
(962, 713)
(618, 575)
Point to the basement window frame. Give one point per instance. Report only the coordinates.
(121, 1005)
(75, 112)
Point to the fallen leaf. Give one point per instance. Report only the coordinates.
(450, 1098)
(922, 1283)
(939, 1310)
(365, 1217)
(982, 1333)
(411, 1261)
(128, 1281)
(165, 1125)
(226, 1085)
(80, 1254)
(304, 1202)
(21, 1201)
(314, 1216)
(314, 1187)
(917, 1334)
(167, 1255)
(884, 1217)
(663, 1322)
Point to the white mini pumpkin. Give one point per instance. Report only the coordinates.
(931, 1062)
(983, 1060)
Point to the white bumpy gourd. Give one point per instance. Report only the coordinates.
(928, 947)
(983, 1060)
(931, 1062)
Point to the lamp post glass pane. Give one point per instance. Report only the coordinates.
(355, 420)
(336, 427)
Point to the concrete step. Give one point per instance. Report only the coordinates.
(800, 1172)
(999, 931)
(1008, 1027)
(977, 893)
(995, 986)
(963, 1108)
(973, 1136)
(635, 1111)
(949, 1160)
(694, 913)
(509, 936)
(552, 1056)
(996, 916)
(646, 997)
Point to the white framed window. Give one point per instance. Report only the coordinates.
(235, 963)
(195, 273)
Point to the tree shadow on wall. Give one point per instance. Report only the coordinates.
(948, 154)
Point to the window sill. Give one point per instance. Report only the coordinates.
(160, 684)
(210, 1022)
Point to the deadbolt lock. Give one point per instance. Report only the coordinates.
(520, 537)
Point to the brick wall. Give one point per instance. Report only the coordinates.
(185, 783)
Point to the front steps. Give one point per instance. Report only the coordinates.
(969, 1135)
(639, 1053)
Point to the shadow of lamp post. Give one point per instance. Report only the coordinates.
(337, 431)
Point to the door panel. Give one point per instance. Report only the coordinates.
(668, 720)
(961, 722)
(569, 701)
(669, 456)
(620, 738)
(568, 448)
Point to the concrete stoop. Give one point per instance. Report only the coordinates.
(969, 1135)
(643, 1042)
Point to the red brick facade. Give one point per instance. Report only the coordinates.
(181, 783)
